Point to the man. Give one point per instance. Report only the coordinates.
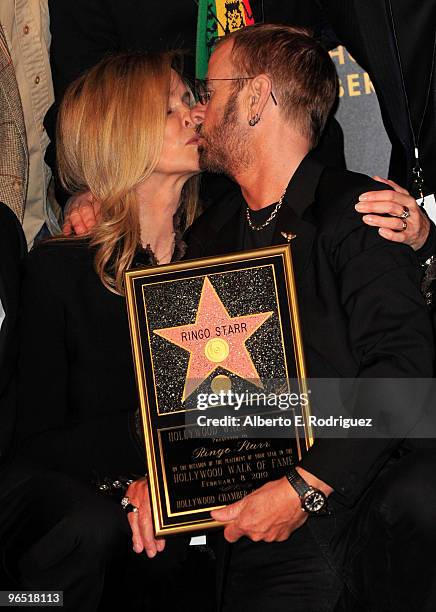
(26, 93)
(362, 317)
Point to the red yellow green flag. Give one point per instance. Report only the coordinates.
(216, 18)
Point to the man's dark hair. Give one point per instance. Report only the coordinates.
(304, 77)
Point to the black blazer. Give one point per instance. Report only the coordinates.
(361, 309)
(12, 253)
(77, 391)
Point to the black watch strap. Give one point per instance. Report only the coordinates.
(297, 482)
(312, 500)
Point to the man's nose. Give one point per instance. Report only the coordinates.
(198, 113)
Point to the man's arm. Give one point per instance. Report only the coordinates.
(390, 333)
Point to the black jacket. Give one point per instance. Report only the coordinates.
(77, 390)
(361, 309)
(12, 253)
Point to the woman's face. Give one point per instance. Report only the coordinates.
(179, 154)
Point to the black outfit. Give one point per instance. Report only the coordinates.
(77, 399)
(12, 253)
(81, 329)
(85, 31)
(362, 316)
(395, 42)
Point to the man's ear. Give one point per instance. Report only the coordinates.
(259, 90)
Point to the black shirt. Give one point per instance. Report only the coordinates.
(256, 239)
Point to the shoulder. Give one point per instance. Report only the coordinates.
(337, 194)
(63, 258)
(11, 233)
(339, 190)
(342, 231)
(8, 221)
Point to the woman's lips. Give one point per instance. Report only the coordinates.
(194, 140)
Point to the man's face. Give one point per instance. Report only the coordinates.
(223, 146)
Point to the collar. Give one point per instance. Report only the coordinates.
(291, 226)
(301, 190)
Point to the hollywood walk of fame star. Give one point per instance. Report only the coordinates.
(215, 340)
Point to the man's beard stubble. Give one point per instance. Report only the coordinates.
(226, 149)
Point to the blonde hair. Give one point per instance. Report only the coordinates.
(110, 135)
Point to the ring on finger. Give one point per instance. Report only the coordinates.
(127, 506)
(404, 225)
(405, 214)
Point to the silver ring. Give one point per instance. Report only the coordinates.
(404, 226)
(405, 214)
(127, 506)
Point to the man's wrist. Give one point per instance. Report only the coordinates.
(312, 498)
(315, 482)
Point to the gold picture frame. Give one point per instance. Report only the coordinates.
(166, 305)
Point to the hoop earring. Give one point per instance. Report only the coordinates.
(254, 120)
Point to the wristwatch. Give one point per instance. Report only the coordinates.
(313, 501)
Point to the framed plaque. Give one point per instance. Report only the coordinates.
(204, 331)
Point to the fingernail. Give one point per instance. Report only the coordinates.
(383, 232)
(359, 207)
(367, 218)
(363, 197)
(151, 553)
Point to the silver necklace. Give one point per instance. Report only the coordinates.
(257, 228)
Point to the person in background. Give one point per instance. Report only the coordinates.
(395, 42)
(26, 93)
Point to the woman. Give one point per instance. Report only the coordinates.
(125, 134)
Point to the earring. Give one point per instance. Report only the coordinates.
(254, 120)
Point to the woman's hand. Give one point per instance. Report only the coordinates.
(81, 214)
(395, 203)
(141, 522)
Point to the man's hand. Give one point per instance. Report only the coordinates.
(394, 203)
(141, 522)
(270, 513)
(81, 214)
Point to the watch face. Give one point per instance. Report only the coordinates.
(314, 501)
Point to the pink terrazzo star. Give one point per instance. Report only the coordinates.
(215, 340)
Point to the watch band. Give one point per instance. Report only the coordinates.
(297, 482)
(312, 500)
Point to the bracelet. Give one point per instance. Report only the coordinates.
(428, 279)
(114, 488)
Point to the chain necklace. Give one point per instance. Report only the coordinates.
(257, 228)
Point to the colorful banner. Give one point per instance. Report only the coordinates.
(216, 18)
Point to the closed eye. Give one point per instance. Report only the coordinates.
(188, 99)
